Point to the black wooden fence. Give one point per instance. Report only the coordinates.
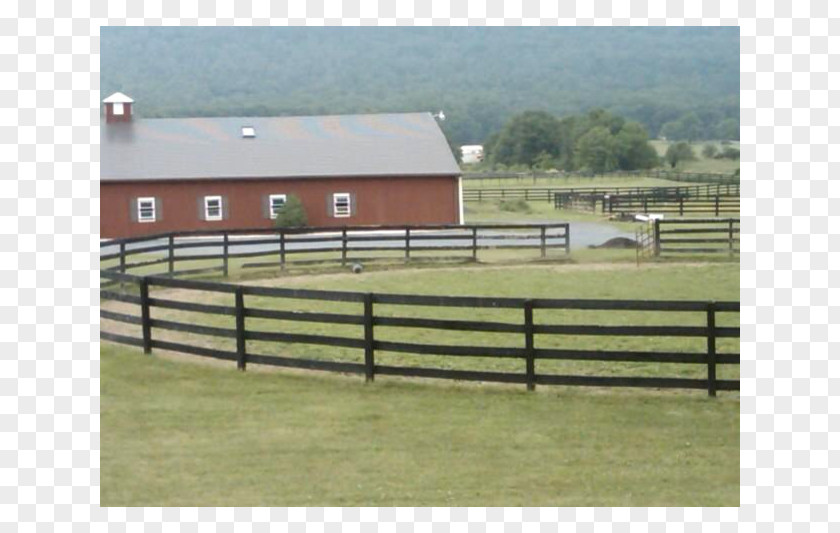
(534, 176)
(681, 205)
(344, 244)
(529, 330)
(548, 194)
(697, 236)
(675, 204)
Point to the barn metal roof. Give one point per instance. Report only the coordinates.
(282, 147)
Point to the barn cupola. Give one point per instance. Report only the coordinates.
(118, 108)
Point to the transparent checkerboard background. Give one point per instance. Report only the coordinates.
(49, 224)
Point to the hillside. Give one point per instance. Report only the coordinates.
(478, 76)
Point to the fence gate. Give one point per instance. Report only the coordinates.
(645, 243)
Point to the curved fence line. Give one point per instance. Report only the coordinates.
(325, 245)
(529, 326)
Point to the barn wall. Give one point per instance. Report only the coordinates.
(390, 200)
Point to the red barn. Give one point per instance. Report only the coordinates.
(173, 174)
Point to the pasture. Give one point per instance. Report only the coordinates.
(179, 430)
(702, 163)
(175, 433)
(180, 434)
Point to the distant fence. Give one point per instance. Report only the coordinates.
(716, 205)
(547, 194)
(341, 244)
(536, 176)
(530, 331)
(665, 202)
(697, 236)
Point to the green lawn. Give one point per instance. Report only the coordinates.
(181, 434)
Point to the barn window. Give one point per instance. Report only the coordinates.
(145, 210)
(276, 202)
(212, 208)
(118, 109)
(341, 204)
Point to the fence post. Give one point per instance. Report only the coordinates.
(475, 244)
(122, 265)
(407, 244)
(225, 254)
(645, 198)
(681, 205)
(282, 249)
(731, 239)
(241, 356)
(369, 363)
(542, 241)
(145, 315)
(344, 246)
(711, 350)
(566, 239)
(657, 246)
(717, 205)
(530, 373)
(171, 254)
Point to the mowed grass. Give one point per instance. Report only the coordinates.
(181, 434)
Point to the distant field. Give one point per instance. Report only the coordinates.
(723, 166)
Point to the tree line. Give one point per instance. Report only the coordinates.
(598, 141)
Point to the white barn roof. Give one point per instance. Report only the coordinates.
(118, 98)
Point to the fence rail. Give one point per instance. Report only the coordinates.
(671, 175)
(662, 202)
(547, 194)
(532, 329)
(697, 236)
(342, 244)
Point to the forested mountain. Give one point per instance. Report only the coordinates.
(479, 76)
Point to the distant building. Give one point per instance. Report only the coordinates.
(472, 153)
(173, 174)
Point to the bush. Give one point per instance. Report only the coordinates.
(709, 151)
(292, 215)
(515, 206)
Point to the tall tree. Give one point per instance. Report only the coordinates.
(679, 152)
(525, 137)
(596, 150)
(633, 150)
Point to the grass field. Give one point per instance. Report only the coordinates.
(702, 164)
(181, 431)
(180, 434)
